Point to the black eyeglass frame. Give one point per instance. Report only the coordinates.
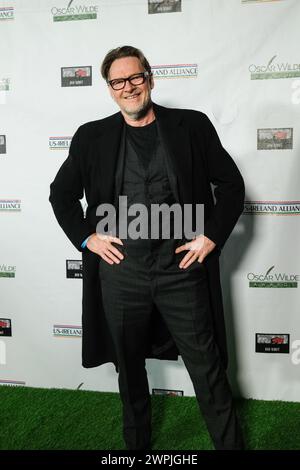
(141, 74)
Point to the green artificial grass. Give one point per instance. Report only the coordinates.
(53, 419)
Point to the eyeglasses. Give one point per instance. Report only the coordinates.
(136, 79)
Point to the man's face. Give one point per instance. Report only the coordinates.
(133, 100)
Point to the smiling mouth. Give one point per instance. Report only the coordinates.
(132, 97)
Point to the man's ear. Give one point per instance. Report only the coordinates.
(151, 82)
(111, 91)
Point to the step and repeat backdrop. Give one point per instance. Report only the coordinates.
(238, 62)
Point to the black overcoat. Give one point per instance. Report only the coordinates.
(202, 167)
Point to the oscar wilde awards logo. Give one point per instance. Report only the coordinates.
(274, 70)
(2, 144)
(72, 11)
(164, 6)
(275, 139)
(175, 71)
(76, 76)
(7, 271)
(6, 13)
(272, 343)
(59, 143)
(271, 208)
(273, 279)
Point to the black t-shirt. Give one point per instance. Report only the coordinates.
(143, 140)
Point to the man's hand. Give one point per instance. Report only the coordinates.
(198, 248)
(102, 246)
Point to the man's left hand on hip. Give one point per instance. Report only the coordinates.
(198, 249)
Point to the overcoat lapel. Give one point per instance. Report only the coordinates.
(120, 165)
(178, 152)
(108, 147)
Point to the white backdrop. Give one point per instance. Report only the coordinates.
(204, 57)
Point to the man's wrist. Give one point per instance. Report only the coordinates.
(84, 243)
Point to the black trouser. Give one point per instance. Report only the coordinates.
(147, 276)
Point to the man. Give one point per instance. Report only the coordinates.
(152, 297)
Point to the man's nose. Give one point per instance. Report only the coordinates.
(128, 87)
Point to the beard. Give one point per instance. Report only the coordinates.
(140, 112)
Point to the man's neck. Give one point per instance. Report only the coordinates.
(147, 119)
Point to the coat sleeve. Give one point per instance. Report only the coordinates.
(229, 188)
(66, 191)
